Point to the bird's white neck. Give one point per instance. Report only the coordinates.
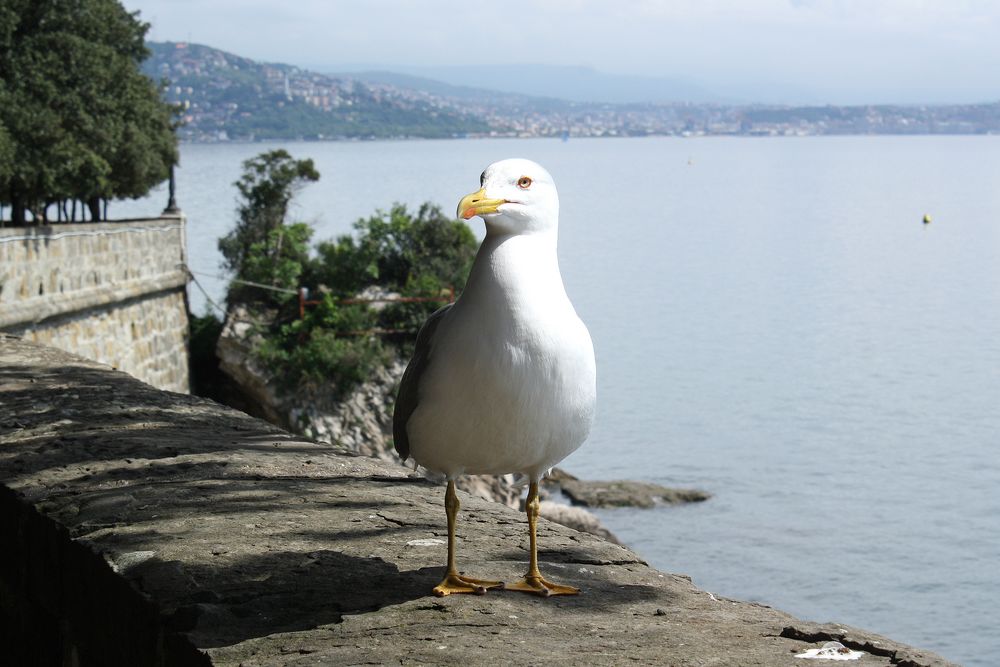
(518, 269)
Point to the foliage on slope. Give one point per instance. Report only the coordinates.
(339, 341)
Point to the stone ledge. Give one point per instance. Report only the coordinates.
(184, 532)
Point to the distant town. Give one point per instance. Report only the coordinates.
(224, 97)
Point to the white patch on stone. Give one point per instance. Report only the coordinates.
(130, 560)
(426, 542)
(830, 651)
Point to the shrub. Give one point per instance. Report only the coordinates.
(398, 251)
(416, 255)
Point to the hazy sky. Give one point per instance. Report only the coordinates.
(838, 51)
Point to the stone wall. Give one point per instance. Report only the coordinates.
(154, 528)
(113, 292)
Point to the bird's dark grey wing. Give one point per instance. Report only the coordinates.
(406, 399)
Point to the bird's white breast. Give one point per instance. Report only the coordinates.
(511, 382)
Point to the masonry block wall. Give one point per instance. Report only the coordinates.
(113, 292)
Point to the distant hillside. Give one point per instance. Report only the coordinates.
(227, 97)
(576, 84)
(230, 97)
(463, 94)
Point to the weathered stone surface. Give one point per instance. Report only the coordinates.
(260, 548)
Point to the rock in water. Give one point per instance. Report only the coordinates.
(623, 493)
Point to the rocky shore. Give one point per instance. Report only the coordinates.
(143, 527)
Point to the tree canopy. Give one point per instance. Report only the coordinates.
(78, 119)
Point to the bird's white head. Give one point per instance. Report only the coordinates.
(517, 197)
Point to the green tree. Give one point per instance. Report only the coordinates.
(262, 248)
(407, 253)
(83, 122)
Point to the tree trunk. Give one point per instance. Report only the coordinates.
(94, 204)
(16, 210)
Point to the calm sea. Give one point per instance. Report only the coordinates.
(774, 324)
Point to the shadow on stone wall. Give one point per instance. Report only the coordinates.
(129, 469)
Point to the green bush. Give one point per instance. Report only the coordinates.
(335, 344)
(398, 251)
(322, 358)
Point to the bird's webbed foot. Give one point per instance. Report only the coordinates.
(539, 585)
(454, 582)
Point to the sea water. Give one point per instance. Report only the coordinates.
(774, 324)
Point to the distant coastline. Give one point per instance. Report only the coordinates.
(485, 137)
(225, 97)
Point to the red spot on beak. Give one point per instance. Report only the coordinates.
(468, 213)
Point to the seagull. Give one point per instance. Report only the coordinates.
(503, 380)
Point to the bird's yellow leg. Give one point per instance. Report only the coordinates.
(534, 582)
(454, 582)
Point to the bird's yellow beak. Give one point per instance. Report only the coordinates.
(478, 204)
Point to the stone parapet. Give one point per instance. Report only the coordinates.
(142, 527)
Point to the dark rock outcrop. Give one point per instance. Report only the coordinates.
(621, 493)
(624, 493)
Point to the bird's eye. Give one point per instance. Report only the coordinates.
(524, 182)
(482, 179)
